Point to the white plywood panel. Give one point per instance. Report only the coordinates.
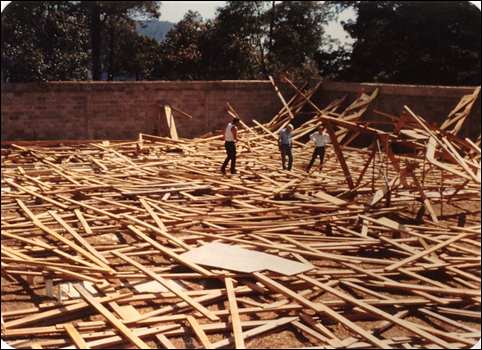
(234, 258)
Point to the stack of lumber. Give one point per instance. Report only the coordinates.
(373, 250)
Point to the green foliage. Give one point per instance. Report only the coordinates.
(417, 42)
(181, 53)
(41, 41)
(296, 37)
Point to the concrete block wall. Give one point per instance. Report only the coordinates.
(433, 103)
(121, 110)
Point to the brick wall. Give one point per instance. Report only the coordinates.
(433, 103)
(121, 110)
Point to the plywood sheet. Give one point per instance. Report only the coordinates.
(234, 258)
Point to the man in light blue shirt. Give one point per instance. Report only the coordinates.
(285, 143)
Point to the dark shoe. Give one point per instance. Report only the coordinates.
(223, 171)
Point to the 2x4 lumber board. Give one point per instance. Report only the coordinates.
(200, 334)
(378, 276)
(51, 232)
(35, 194)
(83, 222)
(425, 252)
(330, 199)
(375, 311)
(333, 340)
(318, 308)
(278, 287)
(93, 254)
(278, 92)
(434, 289)
(87, 206)
(304, 328)
(47, 264)
(142, 332)
(151, 212)
(446, 320)
(163, 233)
(180, 111)
(170, 123)
(235, 320)
(339, 154)
(110, 317)
(169, 285)
(268, 326)
(240, 187)
(165, 341)
(65, 310)
(75, 336)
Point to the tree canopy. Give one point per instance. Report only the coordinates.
(417, 42)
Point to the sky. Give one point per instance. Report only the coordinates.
(173, 11)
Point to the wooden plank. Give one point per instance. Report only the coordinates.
(110, 317)
(318, 308)
(278, 92)
(165, 341)
(170, 123)
(375, 311)
(199, 332)
(268, 326)
(425, 252)
(174, 288)
(169, 252)
(235, 320)
(91, 252)
(65, 310)
(75, 336)
(35, 194)
(339, 154)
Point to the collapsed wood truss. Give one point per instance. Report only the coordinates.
(94, 237)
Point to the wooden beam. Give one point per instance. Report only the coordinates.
(110, 317)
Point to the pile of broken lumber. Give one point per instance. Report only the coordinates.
(145, 244)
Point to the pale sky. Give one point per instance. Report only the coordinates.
(174, 11)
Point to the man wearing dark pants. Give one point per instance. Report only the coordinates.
(320, 138)
(230, 139)
(285, 145)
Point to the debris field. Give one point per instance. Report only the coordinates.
(145, 244)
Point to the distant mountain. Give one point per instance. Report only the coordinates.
(154, 29)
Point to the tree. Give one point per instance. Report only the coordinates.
(41, 41)
(136, 56)
(108, 16)
(180, 52)
(233, 47)
(297, 36)
(55, 40)
(417, 42)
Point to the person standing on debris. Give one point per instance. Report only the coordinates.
(230, 139)
(320, 138)
(285, 144)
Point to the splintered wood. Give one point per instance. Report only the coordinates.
(145, 244)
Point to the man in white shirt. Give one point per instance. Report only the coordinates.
(230, 139)
(320, 138)
(285, 143)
